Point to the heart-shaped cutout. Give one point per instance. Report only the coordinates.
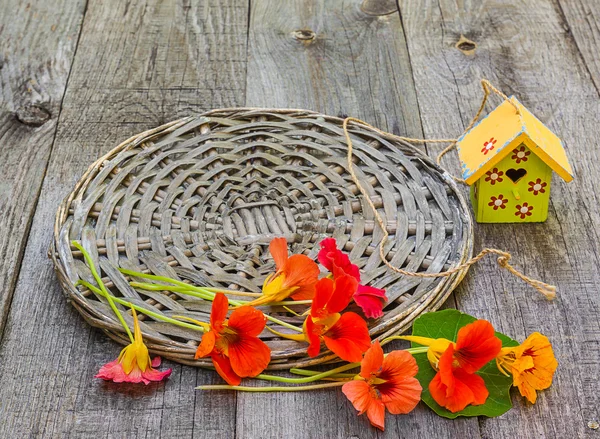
(516, 174)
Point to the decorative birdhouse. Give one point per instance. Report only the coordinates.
(508, 159)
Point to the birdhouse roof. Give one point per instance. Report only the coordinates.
(499, 130)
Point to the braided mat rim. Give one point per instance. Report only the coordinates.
(225, 171)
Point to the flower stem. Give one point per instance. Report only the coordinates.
(272, 389)
(305, 372)
(142, 310)
(318, 376)
(98, 279)
(190, 290)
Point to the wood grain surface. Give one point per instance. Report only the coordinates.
(77, 78)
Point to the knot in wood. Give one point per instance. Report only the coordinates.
(33, 115)
(304, 34)
(465, 45)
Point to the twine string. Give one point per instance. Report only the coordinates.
(549, 291)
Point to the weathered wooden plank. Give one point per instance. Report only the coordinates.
(37, 44)
(138, 65)
(330, 56)
(525, 49)
(582, 18)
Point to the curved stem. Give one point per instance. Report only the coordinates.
(142, 310)
(308, 379)
(272, 389)
(98, 279)
(284, 324)
(305, 372)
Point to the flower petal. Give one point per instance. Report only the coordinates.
(359, 394)
(372, 361)
(206, 345)
(279, 251)
(313, 337)
(223, 368)
(306, 292)
(218, 312)
(328, 245)
(455, 400)
(247, 320)
(476, 345)
(111, 370)
(344, 288)
(400, 395)
(371, 301)
(336, 261)
(300, 270)
(156, 361)
(398, 364)
(155, 375)
(348, 338)
(475, 383)
(248, 356)
(376, 414)
(323, 292)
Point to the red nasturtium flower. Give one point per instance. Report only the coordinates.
(296, 276)
(384, 383)
(532, 365)
(456, 385)
(346, 335)
(370, 299)
(134, 364)
(233, 345)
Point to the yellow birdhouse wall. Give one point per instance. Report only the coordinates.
(515, 190)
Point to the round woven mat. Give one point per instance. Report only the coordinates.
(199, 199)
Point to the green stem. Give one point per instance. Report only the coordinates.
(305, 372)
(272, 389)
(420, 350)
(318, 376)
(98, 279)
(284, 324)
(143, 310)
(193, 291)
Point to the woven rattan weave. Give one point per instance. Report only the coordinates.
(199, 199)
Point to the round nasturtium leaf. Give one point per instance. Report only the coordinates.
(445, 324)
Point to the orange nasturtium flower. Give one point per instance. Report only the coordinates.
(532, 365)
(134, 364)
(384, 383)
(456, 385)
(346, 335)
(233, 345)
(295, 276)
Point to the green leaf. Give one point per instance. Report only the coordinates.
(445, 324)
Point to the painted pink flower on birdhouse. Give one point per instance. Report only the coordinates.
(498, 203)
(524, 210)
(494, 176)
(488, 146)
(520, 154)
(537, 186)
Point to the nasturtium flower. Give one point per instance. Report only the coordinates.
(295, 276)
(233, 345)
(384, 383)
(346, 335)
(531, 364)
(369, 299)
(133, 364)
(456, 385)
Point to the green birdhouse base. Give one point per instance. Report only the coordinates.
(516, 190)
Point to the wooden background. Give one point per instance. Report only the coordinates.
(77, 77)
